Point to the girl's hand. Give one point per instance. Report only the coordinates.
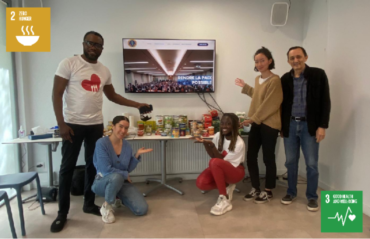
(239, 82)
(142, 150)
(197, 139)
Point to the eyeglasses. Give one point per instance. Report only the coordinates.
(94, 44)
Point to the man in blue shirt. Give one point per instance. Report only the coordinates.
(305, 118)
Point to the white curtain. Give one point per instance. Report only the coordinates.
(8, 152)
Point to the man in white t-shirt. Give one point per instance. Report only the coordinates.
(79, 84)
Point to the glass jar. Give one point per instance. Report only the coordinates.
(140, 132)
(200, 126)
(140, 126)
(145, 112)
(211, 130)
(148, 130)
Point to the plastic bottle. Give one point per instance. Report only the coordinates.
(21, 132)
(56, 133)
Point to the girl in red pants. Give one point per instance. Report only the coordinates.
(227, 150)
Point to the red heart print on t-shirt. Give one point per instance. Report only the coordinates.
(93, 84)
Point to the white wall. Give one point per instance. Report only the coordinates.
(239, 27)
(344, 154)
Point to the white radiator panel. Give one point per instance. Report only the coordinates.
(183, 156)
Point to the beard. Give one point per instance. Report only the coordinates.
(91, 57)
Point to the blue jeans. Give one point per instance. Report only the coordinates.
(114, 185)
(299, 137)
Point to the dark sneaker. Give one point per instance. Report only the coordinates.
(95, 210)
(288, 199)
(252, 194)
(312, 205)
(58, 224)
(269, 194)
(262, 198)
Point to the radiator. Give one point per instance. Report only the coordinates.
(183, 156)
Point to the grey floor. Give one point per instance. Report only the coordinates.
(172, 215)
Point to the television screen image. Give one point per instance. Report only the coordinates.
(169, 66)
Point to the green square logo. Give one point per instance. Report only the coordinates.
(341, 211)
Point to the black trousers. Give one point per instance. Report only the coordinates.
(88, 134)
(265, 136)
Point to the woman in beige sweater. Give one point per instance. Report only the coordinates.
(264, 115)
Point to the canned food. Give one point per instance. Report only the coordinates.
(159, 131)
(140, 132)
(148, 130)
(194, 124)
(182, 132)
(205, 133)
(167, 131)
(184, 118)
(211, 130)
(175, 132)
(168, 119)
(140, 126)
(196, 132)
(159, 120)
(175, 120)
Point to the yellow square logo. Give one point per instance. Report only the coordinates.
(27, 29)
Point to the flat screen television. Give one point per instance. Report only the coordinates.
(169, 66)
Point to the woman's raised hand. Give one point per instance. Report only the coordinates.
(239, 82)
(142, 150)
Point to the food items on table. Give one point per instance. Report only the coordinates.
(211, 130)
(140, 132)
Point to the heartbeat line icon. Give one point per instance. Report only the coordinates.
(351, 216)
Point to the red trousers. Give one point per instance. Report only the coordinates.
(218, 174)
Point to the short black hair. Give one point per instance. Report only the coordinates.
(296, 47)
(95, 33)
(119, 118)
(268, 54)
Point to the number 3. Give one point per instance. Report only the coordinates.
(327, 198)
(13, 14)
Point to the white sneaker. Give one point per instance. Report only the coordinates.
(107, 213)
(117, 203)
(222, 206)
(230, 190)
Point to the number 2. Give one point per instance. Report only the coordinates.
(13, 14)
